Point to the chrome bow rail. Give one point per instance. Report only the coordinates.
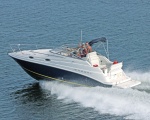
(21, 47)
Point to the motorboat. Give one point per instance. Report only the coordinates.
(64, 64)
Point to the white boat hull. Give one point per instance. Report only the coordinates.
(92, 70)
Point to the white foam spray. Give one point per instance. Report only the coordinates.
(144, 77)
(131, 103)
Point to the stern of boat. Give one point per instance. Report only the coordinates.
(116, 76)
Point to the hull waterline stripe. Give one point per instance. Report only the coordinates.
(56, 78)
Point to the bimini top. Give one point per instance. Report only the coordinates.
(102, 39)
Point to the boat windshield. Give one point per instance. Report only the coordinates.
(70, 50)
(76, 51)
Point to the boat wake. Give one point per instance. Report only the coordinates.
(130, 103)
(143, 77)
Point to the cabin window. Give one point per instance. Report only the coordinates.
(31, 57)
(47, 59)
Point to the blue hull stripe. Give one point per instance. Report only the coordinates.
(40, 72)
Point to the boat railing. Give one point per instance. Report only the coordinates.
(69, 50)
(64, 48)
(21, 47)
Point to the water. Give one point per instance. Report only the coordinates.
(124, 23)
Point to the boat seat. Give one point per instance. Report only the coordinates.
(93, 59)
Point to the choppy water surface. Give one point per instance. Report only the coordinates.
(125, 24)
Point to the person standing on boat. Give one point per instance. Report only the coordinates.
(88, 47)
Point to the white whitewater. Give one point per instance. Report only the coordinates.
(131, 103)
(144, 77)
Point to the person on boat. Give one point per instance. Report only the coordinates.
(82, 51)
(88, 47)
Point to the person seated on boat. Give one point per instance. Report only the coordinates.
(88, 47)
(82, 51)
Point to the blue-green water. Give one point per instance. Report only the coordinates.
(126, 24)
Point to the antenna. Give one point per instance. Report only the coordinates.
(81, 37)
